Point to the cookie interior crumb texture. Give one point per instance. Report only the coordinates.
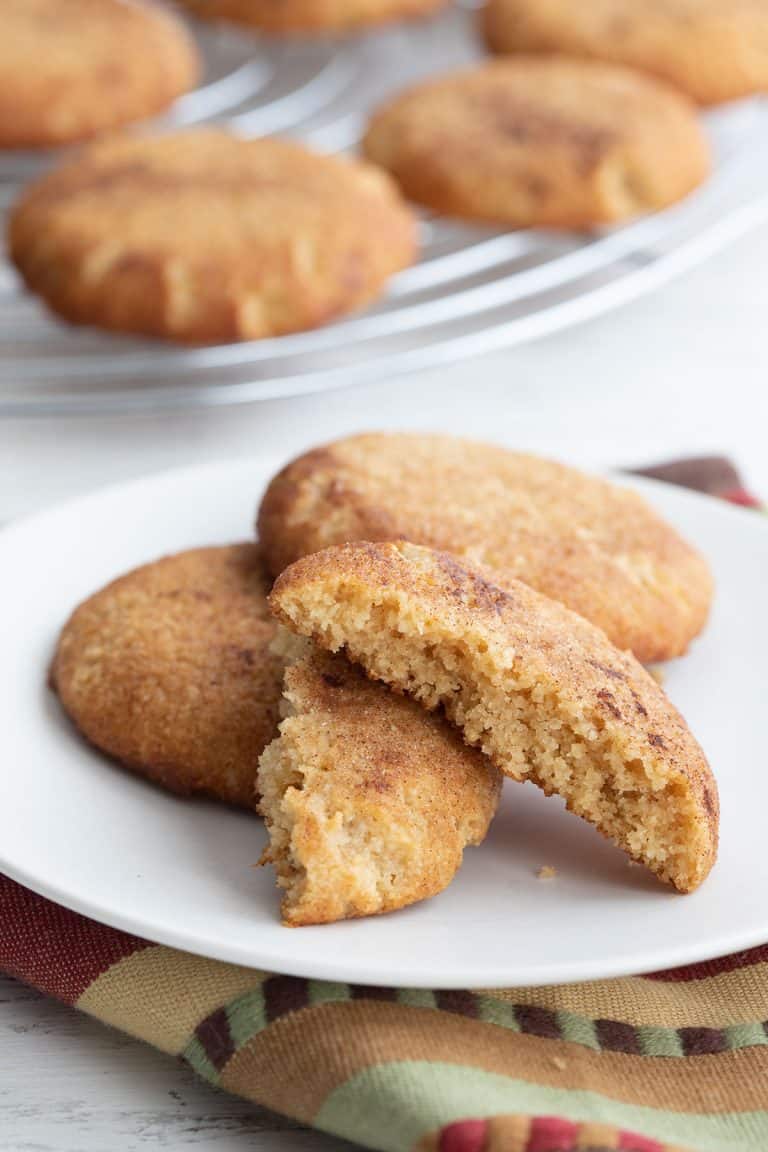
(599, 548)
(202, 237)
(70, 69)
(369, 801)
(540, 690)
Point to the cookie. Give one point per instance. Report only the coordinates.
(70, 69)
(540, 690)
(541, 142)
(714, 50)
(369, 800)
(310, 16)
(204, 237)
(168, 670)
(597, 547)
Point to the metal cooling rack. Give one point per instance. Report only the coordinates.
(474, 290)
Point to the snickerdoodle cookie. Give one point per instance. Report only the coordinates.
(369, 800)
(541, 142)
(291, 17)
(204, 237)
(540, 690)
(597, 547)
(714, 50)
(168, 670)
(72, 68)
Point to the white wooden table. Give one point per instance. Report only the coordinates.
(70, 1084)
(683, 372)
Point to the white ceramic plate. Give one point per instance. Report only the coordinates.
(86, 833)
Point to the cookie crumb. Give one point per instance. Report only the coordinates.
(546, 872)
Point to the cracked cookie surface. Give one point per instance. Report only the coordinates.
(597, 547)
(202, 237)
(541, 142)
(168, 670)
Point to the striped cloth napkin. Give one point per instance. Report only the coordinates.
(672, 1062)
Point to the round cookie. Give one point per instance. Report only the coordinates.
(369, 800)
(310, 16)
(540, 690)
(598, 548)
(70, 69)
(714, 50)
(541, 142)
(204, 237)
(169, 671)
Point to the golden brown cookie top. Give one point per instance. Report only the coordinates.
(310, 16)
(537, 687)
(369, 800)
(597, 547)
(204, 236)
(714, 50)
(530, 141)
(72, 68)
(168, 670)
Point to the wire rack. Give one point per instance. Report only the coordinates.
(474, 290)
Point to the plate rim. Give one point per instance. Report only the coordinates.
(341, 971)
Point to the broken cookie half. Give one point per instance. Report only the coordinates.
(542, 692)
(369, 801)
